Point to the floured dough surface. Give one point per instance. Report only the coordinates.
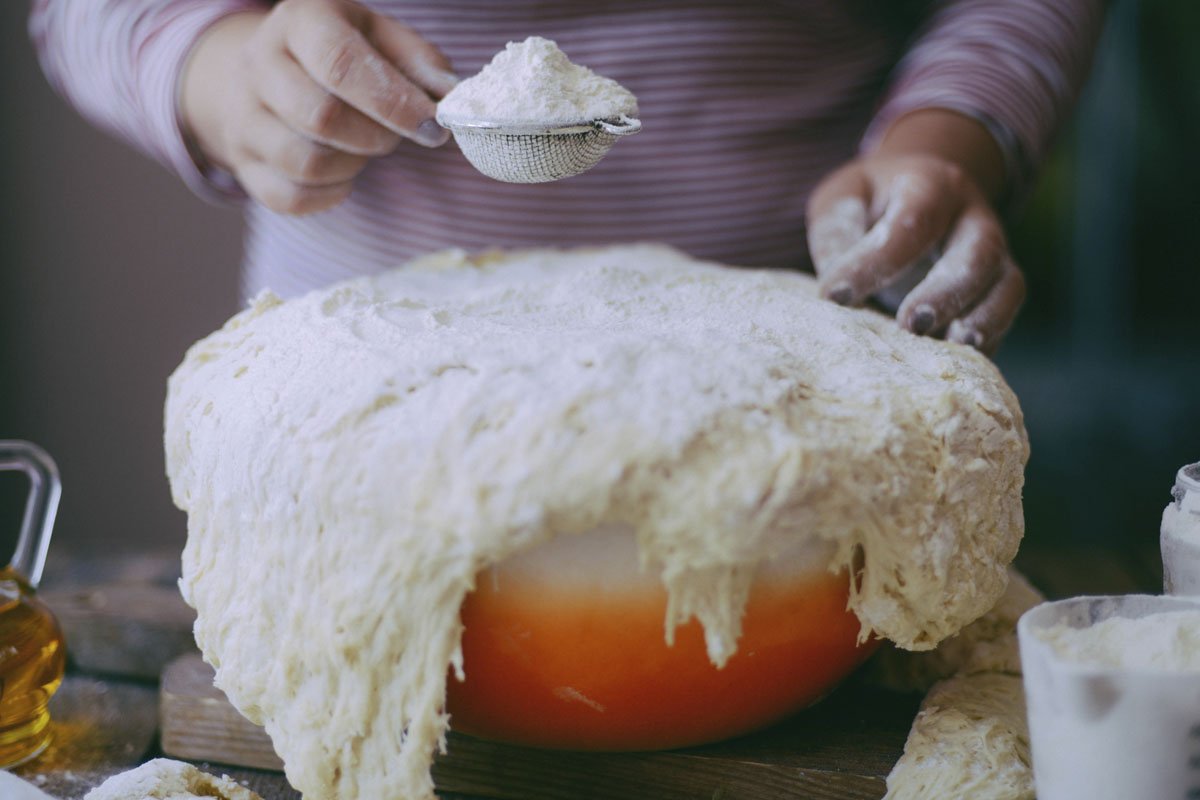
(350, 460)
(970, 740)
(165, 779)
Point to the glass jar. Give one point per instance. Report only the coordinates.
(1180, 538)
(32, 652)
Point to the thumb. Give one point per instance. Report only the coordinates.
(837, 217)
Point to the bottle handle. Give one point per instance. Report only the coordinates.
(45, 489)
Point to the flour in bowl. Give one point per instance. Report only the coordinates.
(533, 82)
(1168, 641)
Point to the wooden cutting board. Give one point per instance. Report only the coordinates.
(841, 749)
(130, 630)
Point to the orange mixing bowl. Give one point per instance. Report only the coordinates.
(564, 647)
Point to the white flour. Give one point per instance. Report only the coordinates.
(534, 82)
(1169, 641)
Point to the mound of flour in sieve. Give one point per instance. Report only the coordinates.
(351, 459)
(533, 82)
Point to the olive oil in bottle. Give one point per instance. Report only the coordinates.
(32, 652)
(32, 659)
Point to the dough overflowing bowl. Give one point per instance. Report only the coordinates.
(381, 464)
(564, 647)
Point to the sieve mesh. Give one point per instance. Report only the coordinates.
(530, 155)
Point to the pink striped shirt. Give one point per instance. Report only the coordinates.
(745, 106)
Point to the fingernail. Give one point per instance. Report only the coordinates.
(449, 77)
(430, 134)
(922, 320)
(842, 294)
(964, 334)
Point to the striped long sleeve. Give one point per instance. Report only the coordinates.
(1017, 67)
(119, 63)
(746, 106)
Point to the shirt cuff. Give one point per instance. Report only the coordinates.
(162, 65)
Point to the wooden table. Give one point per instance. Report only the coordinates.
(840, 749)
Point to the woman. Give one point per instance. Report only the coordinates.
(857, 137)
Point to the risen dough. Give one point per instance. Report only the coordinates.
(351, 459)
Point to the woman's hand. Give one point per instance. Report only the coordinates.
(295, 101)
(922, 192)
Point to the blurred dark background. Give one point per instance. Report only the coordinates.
(110, 268)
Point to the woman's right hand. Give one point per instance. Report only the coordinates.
(294, 102)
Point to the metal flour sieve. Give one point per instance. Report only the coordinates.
(536, 153)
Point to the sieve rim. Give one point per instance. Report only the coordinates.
(619, 125)
(530, 129)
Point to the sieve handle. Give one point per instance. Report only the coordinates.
(622, 126)
(41, 507)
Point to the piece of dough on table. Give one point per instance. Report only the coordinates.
(969, 740)
(166, 779)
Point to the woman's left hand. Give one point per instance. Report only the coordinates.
(879, 215)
